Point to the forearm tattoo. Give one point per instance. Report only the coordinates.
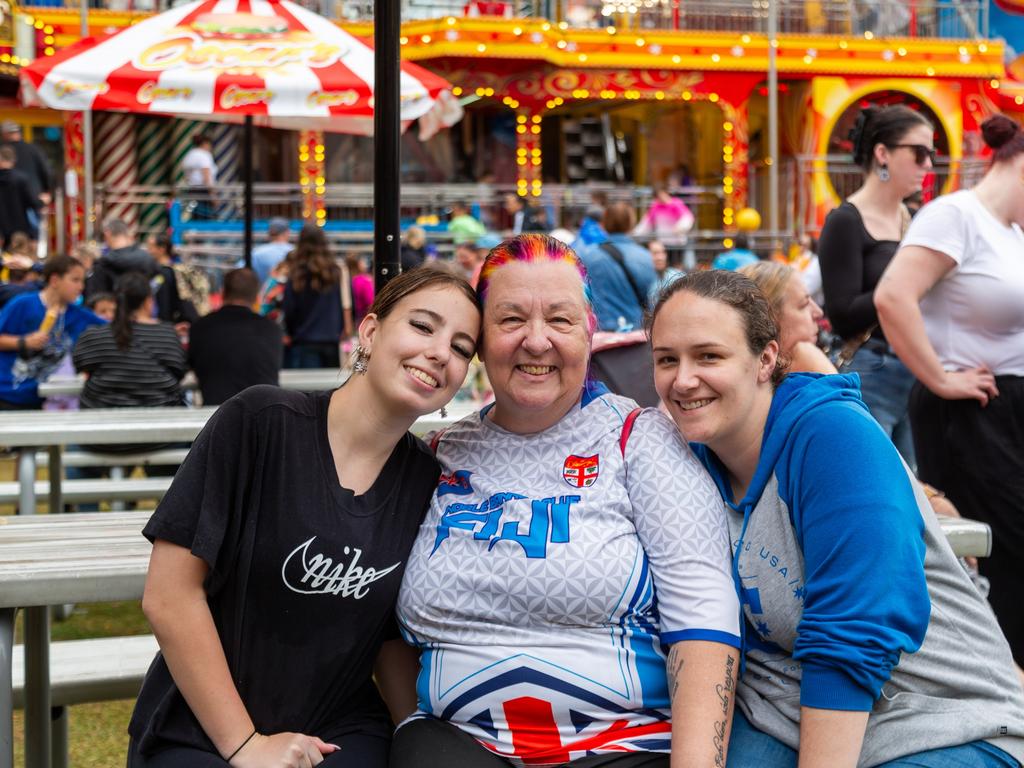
(725, 690)
(674, 667)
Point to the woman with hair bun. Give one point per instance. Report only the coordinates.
(895, 148)
(952, 304)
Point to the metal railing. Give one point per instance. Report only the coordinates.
(949, 19)
(801, 174)
(350, 206)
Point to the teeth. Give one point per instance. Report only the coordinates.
(426, 378)
(537, 370)
(694, 405)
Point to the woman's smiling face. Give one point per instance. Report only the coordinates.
(705, 373)
(536, 343)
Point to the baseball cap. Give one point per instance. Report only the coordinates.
(9, 126)
(487, 241)
(277, 225)
(18, 262)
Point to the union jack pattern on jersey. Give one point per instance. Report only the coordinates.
(547, 582)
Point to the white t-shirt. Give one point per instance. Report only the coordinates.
(548, 579)
(195, 160)
(975, 314)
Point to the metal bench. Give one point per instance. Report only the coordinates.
(168, 457)
(84, 491)
(302, 380)
(82, 671)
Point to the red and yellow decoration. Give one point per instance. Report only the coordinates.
(311, 176)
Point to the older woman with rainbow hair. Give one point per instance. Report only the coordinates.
(573, 545)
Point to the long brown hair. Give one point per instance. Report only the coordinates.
(311, 263)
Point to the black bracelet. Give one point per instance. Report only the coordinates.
(21, 346)
(247, 740)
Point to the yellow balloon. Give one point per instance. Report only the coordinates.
(748, 219)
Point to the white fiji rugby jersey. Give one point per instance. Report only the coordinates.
(549, 572)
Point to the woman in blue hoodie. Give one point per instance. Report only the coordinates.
(865, 643)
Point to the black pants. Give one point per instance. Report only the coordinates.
(437, 744)
(358, 750)
(976, 456)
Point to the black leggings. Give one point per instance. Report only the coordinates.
(976, 456)
(358, 750)
(437, 744)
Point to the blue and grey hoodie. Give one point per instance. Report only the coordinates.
(852, 597)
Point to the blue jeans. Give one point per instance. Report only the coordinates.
(750, 748)
(885, 384)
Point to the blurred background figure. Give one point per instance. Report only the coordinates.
(19, 206)
(268, 255)
(796, 312)
(740, 255)
(668, 218)
(200, 171)
(621, 272)
(21, 272)
(804, 259)
(363, 289)
(665, 273)
(470, 260)
(123, 255)
(38, 330)
(525, 217)
(29, 160)
(414, 248)
(135, 360)
(462, 226)
(894, 146)
(234, 348)
(171, 307)
(317, 303)
(103, 305)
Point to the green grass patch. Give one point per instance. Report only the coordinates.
(97, 733)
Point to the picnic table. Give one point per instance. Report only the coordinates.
(97, 557)
(300, 379)
(60, 579)
(50, 560)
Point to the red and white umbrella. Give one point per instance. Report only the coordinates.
(285, 66)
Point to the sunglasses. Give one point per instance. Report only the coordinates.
(921, 152)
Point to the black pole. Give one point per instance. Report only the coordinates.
(247, 180)
(386, 124)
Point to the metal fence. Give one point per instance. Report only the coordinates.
(351, 205)
(798, 176)
(950, 19)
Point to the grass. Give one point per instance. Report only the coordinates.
(97, 733)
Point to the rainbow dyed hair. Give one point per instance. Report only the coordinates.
(535, 248)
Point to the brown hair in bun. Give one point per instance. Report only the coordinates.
(1004, 135)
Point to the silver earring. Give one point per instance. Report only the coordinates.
(362, 356)
(444, 412)
(883, 172)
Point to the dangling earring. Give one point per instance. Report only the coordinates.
(361, 356)
(444, 412)
(883, 172)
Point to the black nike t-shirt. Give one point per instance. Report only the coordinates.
(303, 574)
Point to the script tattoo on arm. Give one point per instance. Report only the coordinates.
(674, 666)
(726, 691)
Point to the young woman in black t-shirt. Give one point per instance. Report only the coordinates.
(279, 550)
